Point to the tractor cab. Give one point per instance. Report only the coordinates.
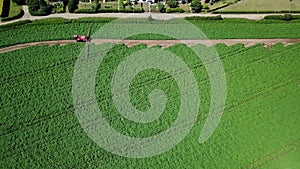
(79, 38)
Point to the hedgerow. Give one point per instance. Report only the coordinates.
(195, 18)
(173, 10)
(254, 12)
(286, 17)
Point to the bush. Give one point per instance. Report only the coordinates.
(205, 6)
(73, 5)
(96, 5)
(38, 7)
(20, 15)
(85, 11)
(219, 17)
(285, 17)
(126, 10)
(183, 1)
(108, 10)
(196, 6)
(173, 10)
(138, 10)
(58, 8)
(107, 6)
(20, 2)
(42, 12)
(172, 3)
(161, 8)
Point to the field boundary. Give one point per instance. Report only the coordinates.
(162, 43)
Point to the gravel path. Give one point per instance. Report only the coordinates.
(162, 43)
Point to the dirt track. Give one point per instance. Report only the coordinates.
(162, 43)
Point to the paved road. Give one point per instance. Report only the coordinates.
(162, 43)
(161, 16)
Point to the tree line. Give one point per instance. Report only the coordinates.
(41, 7)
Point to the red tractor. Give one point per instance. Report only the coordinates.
(79, 38)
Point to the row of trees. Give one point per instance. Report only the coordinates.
(41, 7)
(196, 5)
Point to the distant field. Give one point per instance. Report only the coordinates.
(264, 5)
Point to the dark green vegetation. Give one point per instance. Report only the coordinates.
(40, 129)
(54, 29)
(4, 11)
(196, 6)
(285, 17)
(38, 7)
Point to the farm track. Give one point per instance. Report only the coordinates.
(162, 43)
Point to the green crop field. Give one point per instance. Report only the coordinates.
(259, 128)
(266, 5)
(54, 29)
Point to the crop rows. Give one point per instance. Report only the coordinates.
(101, 99)
(39, 127)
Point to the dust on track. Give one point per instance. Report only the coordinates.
(162, 43)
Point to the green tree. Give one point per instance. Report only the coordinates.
(196, 6)
(20, 2)
(172, 3)
(73, 5)
(38, 7)
(33, 5)
(161, 7)
(96, 5)
(65, 2)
